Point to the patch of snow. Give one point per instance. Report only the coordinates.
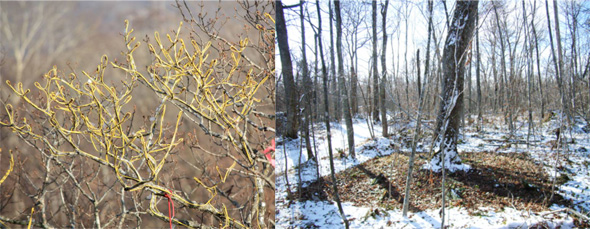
(492, 138)
(451, 167)
(324, 214)
(365, 151)
(452, 161)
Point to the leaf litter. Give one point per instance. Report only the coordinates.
(508, 186)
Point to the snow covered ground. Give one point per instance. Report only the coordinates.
(324, 214)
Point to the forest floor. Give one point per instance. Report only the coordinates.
(509, 184)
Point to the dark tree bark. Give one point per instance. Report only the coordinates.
(427, 58)
(327, 120)
(375, 104)
(538, 59)
(507, 108)
(307, 92)
(335, 87)
(529, 72)
(557, 64)
(427, 64)
(418, 78)
(406, 72)
(446, 14)
(511, 96)
(497, 83)
(353, 91)
(469, 97)
(454, 57)
(287, 71)
(345, 104)
(477, 78)
(574, 10)
(384, 71)
(315, 79)
(564, 99)
(586, 69)
(406, 203)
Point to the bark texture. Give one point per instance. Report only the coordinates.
(287, 71)
(454, 59)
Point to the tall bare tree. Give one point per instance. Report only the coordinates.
(287, 71)
(307, 92)
(557, 61)
(529, 71)
(335, 85)
(506, 99)
(345, 103)
(477, 76)
(406, 72)
(560, 71)
(415, 139)
(356, 17)
(572, 11)
(536, 38)
(454, 59)
(327, 120)
(375, 103)
(383, 69)
(427, 59)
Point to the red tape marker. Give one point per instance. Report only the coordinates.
(170, 210)
(267, 153)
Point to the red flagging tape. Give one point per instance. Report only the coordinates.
(267, 153)
(170, 210)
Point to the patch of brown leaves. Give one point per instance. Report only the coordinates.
(496, 180)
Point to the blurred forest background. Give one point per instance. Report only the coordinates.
(38, 35)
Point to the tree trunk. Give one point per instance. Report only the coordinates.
(454, 57)
(508, 115)
(375, 104)
(287, 71)
(335, 87)
(406, 73)
(560, 58)
(316, 69)
(529, 72)
(427, 64)
(354, 77)
(327, 121)
(353, 91)
(384, 71)
(509, 93)
(307, 85)
(345, 104)
(418, 81)
(584, 75)
(414, 144)
(557, 64)
(497, 97)
(538, 60)
(449, 117)
(469, 83)
(574, 57)
(477, 78)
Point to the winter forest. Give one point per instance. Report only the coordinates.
(431, 114)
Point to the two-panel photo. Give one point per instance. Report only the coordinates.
(295, 114)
